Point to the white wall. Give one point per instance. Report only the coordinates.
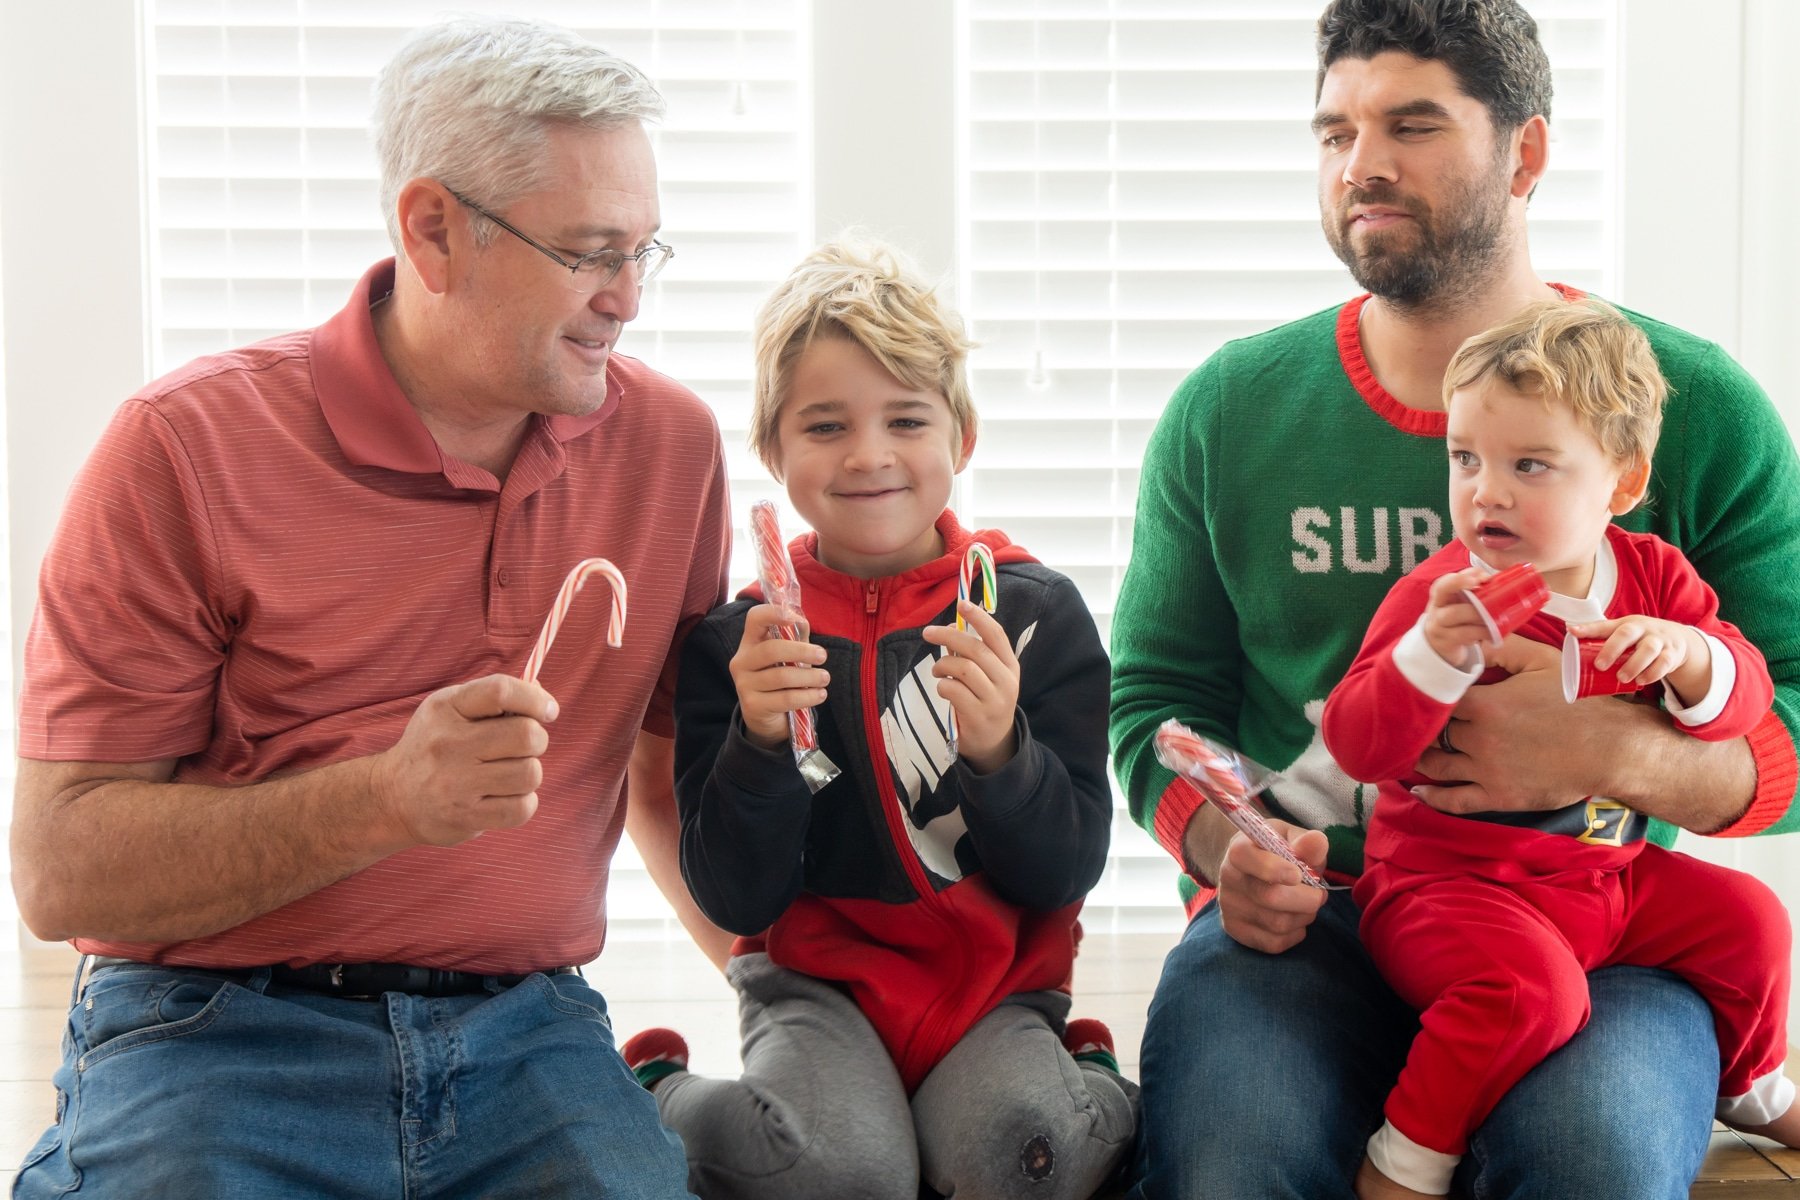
(71, 274)
(71, 241)
(1769, 172)
(1708, 238)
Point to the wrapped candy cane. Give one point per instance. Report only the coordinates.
(1227, 780)
(977, 563)
(781, 588)
(565, 596)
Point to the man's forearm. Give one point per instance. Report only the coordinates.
(1203, 845)
(139, 860)
(1521, 747)
(664, 871)
(1662, 772)
(652, 821)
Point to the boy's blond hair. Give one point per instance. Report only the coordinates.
(867, 292)
(1583, 353)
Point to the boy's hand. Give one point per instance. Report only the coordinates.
(1653, 649)
(1452, 626)
(980, 679)
(775, 676)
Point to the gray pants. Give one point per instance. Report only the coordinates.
(820, 1114)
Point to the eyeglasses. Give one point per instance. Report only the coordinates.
(596, 269)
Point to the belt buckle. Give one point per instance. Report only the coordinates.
(336, 975)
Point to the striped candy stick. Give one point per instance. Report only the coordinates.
(977, 556)
(978, 562)
(775, 570)
(565, 596)
(1219, 775)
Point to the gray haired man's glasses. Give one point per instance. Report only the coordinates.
(594, 270)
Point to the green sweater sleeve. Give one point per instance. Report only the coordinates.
(1175, 644)
(1726, 489)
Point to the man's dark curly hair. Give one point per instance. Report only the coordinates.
(1491, 46)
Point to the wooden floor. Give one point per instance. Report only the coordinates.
(668, 983)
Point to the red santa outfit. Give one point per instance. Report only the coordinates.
(1489, 923)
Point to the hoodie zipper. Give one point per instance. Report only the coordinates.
(884, 775)
(894, 813)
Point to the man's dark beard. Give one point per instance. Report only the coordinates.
(1450, 259)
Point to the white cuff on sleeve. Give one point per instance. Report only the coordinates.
(1409, 1164)
(1422, 667)
(1767, 1099)
(1724, 678)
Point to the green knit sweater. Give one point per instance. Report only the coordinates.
(1285, 491)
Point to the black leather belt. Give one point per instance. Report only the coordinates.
(367, 981)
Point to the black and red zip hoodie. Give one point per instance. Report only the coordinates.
(931, 893)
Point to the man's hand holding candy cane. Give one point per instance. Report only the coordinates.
(1262, 902)
(467, 761)
(775, 676)
(1266, 900)
(980, 679)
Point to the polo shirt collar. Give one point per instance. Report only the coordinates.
(373, 421)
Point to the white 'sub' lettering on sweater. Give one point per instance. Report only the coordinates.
(1419, 531)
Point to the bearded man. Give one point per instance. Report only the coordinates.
(1292, 480)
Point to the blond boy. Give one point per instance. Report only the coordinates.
(907, 933)
(1489, 922)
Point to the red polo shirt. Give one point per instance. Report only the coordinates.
(267, 563)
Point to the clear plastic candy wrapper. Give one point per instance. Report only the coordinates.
(775, 570)
(1228, 780)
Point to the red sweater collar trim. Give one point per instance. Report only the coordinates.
(1423, 422)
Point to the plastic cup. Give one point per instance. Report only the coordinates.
(1507, 599)
(1579, 676)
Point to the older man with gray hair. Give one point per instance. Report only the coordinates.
(332, 861)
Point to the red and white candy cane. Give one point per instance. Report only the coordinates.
(615, 630)
(1219, 775)
(775, 570)
(1199, 758)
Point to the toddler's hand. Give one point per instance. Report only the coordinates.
(775, 676)
(1652, 649)
(980, 679)
(1452, 626)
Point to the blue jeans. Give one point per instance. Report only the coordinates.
(180, 1082)
(1264, 1075)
